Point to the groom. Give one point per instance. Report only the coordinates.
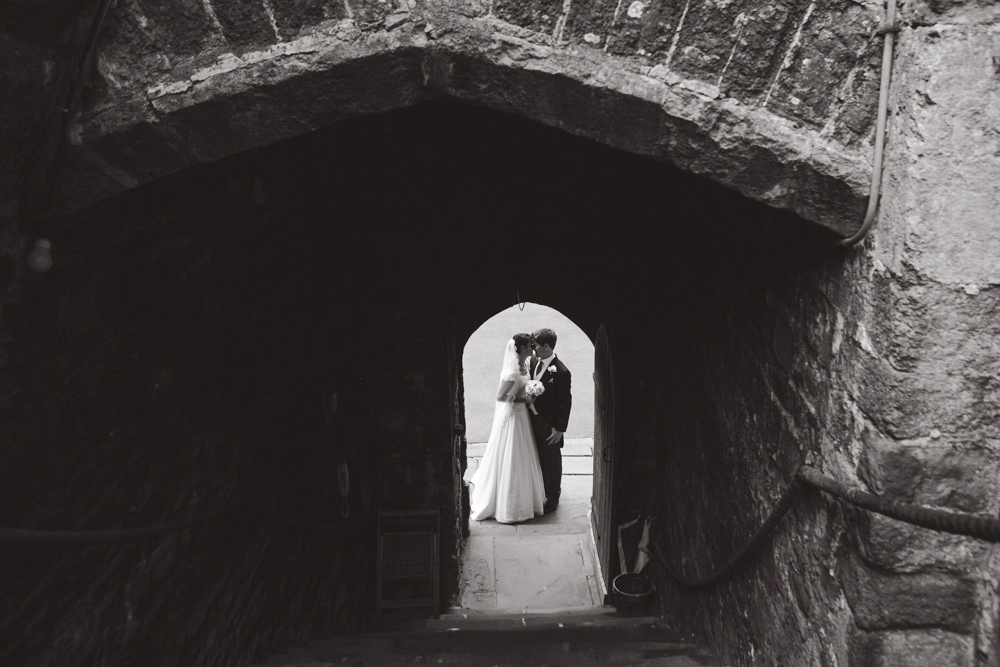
(550, 412)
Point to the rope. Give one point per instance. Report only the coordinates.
(136, 533)
(788, 499)
(304, 523)
(32, 536)
(957, 523)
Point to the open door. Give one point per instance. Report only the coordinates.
(604, 456)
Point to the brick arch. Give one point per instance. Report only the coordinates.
(207, 111)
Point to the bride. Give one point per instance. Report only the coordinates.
(508, 484)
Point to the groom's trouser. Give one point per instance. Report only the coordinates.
(550, 459)
(550, 456)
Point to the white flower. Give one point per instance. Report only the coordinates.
(551, 369)
(534, 388)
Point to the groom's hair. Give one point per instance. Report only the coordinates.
(521, 339)
(545, 337)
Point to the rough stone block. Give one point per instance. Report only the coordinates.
(291, 16)
(709, 36)
(827, 42)
(626, 29)
(589, 24)
(890, 468)
(180, 27)
(373, 13)
(758, 35)
(537, 15)
(244, 23)
(859, 105)
(914, 648)
(887, 601)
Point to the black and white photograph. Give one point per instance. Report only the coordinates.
(499, 332)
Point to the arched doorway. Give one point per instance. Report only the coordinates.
(549, 562)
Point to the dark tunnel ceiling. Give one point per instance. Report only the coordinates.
(447, 167)
(43, 23)
(490, 160)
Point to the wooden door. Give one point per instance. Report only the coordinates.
(601, 502)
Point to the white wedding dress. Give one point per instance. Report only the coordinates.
(508, 484)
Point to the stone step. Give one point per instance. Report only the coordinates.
(602, 616)
(664, 658)
(570, 657)
(566, 637)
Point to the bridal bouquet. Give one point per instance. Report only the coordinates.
(534, 388)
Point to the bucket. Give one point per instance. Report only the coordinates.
(632, 592)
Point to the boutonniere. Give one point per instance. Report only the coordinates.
(551, 369)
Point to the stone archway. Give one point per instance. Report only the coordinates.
(212, 101)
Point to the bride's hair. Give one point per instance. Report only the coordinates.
(520, 340)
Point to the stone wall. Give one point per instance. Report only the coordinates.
(27, 90)
(219, 307)
(875, 366)
(169, 362)
(776, 362)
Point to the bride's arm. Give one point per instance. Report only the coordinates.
(507, 393)
(503, 391)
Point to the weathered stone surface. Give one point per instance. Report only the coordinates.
(963, 478)
(180, 28)
(884, 602)
(117, 420)
(945, 117)
(538, 16)
(903, 648)
(931, 12)
(757, 50)
(708, 38)
(640, 29)
(299, 84)
(891, 468)
(827, 40)
(292, 16)
(897, 546)
(244, 23)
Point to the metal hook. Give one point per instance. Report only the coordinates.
(520, 304)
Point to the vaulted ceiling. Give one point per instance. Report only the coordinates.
(43, 23)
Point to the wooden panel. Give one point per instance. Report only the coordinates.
(408, 562)
(602, 508)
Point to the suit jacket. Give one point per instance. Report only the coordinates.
(554, 404)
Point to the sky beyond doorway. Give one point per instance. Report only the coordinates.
(483, 355)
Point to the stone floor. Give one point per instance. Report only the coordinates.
(546, 564)
(588, 636)
(530, 595)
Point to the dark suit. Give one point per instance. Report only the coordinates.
(553, 408)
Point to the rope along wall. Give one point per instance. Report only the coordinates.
(135, 533)
(958, 523)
